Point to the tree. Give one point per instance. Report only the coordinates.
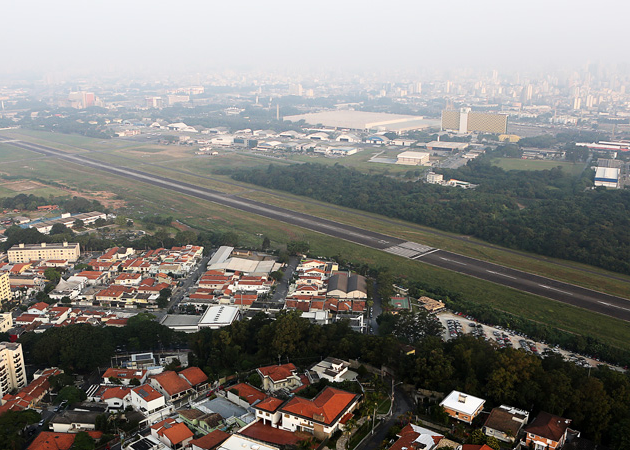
(59, 228)
(71, 394)
(78, 224)
(134, 382)
(266, 243)
(298, 247)
(277, 275)
(52, 275)
(83, 441)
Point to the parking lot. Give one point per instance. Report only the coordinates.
(456, 325)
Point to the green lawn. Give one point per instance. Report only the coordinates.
(360, 161)
(535, 164)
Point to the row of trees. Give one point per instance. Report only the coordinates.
(30, 202)
(547, 212)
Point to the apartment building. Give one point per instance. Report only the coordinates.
(12, 371)
(23, 253)
(5, 289)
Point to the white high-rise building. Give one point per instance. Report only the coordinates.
(12, 371)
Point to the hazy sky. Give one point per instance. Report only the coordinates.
(69, 36)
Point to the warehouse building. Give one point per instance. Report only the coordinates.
(607, 177)
(413, 158)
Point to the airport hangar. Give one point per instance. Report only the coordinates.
(363, 120)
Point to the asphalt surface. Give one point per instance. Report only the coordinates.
(563, 292)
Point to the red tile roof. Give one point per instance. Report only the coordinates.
(266, 433)
(270, 404)
(115, 392)
(172, 383)
(548, 426)
(278, 373)
(147, 393)
(211, 440)
(407, 437)
(175, 432)
(325, 408)
(194, 375)
(124, 374)
(248, 392)
(47, 440)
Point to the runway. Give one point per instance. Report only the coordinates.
(556, 290)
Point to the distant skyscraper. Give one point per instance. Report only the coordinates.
(530, 93)
(577, 103)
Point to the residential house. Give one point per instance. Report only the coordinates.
(201, 422)
(415, 437)
(173, 434)
(210, 441)
(505, 422)
(278, 377)
(196, 377)
(171, 385)
(115, 397)
(462, 406)
(244, 395)
(112, 376)
(546, 432)
(48, 440)
(326, 413)
(332, 369)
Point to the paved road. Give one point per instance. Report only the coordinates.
(282, 289)
(402, 404)
(564, 292)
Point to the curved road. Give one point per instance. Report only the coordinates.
(563, 292)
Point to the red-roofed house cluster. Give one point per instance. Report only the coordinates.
(228, 288)
(30, 395)
(324, 294)
(42, 316)
(124, 277)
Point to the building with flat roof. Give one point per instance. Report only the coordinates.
(23, 253)
(219, 316)
(607, 177)
(467, 121)
(447, 146)
(68, 220)
(12, 371)
(412, 158)
(462, 406)
(363, 120)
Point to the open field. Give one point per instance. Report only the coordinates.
(534, 164)
(145, 199)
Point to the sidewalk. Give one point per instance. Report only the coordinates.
(343, 439)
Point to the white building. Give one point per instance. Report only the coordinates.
(607, 177)
(334, 370)
(435, 178)
(462, 406)
(413, 158)
(219, 316)
(12, 371)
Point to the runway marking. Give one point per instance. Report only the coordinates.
(424, 254)
(502, 274)
(614, 306)
(456, 262)
(555, 289)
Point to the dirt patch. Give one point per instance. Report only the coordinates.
(180, 226)
(25, 185)
(107, 199)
